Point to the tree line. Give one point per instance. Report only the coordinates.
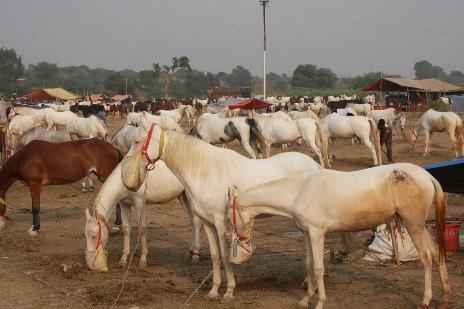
(179, 79)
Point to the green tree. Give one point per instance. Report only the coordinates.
(194, 84)
(44, 73)
(240, 77)
(116, 83)
(456, 77)
(167, 73)
(425, 69)
(308, 75)
(11, 68)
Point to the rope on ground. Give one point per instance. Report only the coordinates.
(124, 279)
(200, 285)
(31, 275)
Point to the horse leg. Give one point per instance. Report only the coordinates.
(371, 147)
(229, 295)
(215, 258)
(419, 239)
(309, 273)
(427, 143)
(126, 229)
(317, 244)
(117, 222)
(267, 148)
(140, 208)
(193, 253)
(311, 141)
(445, 286)
(35, 189)
(246, 145)
(454, 141)
(85, 184)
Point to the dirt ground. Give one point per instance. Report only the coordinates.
(31, 274)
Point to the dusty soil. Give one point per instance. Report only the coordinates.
(31, 274)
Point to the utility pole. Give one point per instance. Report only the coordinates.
(264, 3)
(126, 86)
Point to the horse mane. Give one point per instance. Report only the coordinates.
(189, 153)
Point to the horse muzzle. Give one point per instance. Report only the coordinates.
(97, 260)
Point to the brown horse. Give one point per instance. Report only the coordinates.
(42, 163)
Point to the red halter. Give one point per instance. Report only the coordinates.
(147, 143)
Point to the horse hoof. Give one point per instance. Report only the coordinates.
(2, 224)
(227, 298)
(212, 296)
(84, 190)
(33, 233)
(122, 263)
(423, 306)
(142, 264)
(195, 259)
(115, 230)
(302, 304)
(444, 304)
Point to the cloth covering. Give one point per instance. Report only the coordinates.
(381, 249)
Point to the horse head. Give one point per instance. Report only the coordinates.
(97, 235)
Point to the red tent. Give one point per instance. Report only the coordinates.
(250, 104)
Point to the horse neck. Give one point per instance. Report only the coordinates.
(8, 174)
(111, 192)
(190, 158)
(275, 197)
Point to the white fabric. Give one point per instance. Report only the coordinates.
(381, 248)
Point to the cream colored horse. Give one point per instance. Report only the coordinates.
(344, 127)
(207, 172)
(373, 197)
(113, 191)
(277, 131)
(449, 122)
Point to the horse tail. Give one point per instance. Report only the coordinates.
(440, 209)
(460, 139)
(255, 130)
(324, 143)
(376, 138)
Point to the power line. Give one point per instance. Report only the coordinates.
(370, 25)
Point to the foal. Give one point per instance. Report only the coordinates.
(42, 163)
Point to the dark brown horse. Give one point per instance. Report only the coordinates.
(42, 163)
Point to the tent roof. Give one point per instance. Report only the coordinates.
(250, 104)
(121, 97)
(401, 84)
(49, 94)
(450, 174)
(226, 102)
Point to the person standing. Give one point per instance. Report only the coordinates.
(386, 137)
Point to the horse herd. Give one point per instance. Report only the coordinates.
(151, 160)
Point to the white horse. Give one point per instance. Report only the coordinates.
(360, 109)
(189, 114)
(318, 100)
(114, 191)
(54, 119)
(90, 127)
(42, 134)
(370, 98)
(433, 121)
(390, 115)
(20, 124)
(133, 118)
(363, 199)
(176, 114)
(345, 111)
(278, 131)
(344, 127)
(306, 114)
(207, 172)
(124, 138)
(318, 108)
(164, 121)
(216, 130)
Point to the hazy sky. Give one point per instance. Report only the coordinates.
(347, 36)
